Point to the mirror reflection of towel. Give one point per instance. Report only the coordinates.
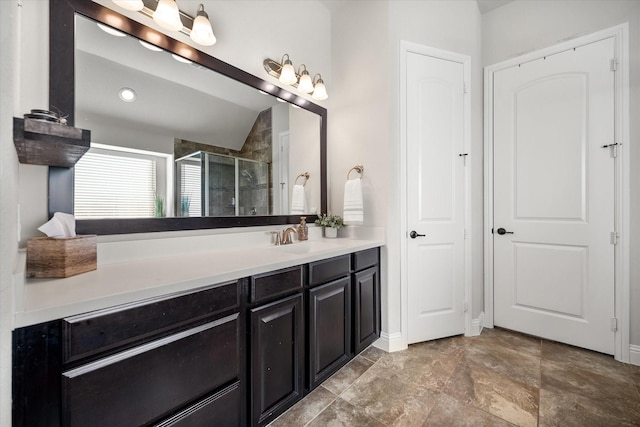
(353, 202)
(298, 200)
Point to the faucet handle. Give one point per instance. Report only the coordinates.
(277, 233)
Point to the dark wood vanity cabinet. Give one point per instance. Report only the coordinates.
(366, 298)
(328, 318)
(234, 354)
(171, 361)
(276, 343)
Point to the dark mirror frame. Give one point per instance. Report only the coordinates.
(62, 99)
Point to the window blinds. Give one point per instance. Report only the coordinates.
(111, 186)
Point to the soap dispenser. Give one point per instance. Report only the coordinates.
(303, 230)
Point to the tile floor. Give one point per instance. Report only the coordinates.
(500, 378)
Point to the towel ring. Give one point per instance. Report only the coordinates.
(304, 175)
(357, 168)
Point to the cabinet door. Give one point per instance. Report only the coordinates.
(277, 352)
(329, 329)
(366, 296)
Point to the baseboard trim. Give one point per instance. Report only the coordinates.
(477, 325)
(634, 354)
(390, 342)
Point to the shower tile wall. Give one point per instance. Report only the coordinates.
(257, 146)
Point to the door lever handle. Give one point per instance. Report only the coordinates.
(413, 234)
(502, 231)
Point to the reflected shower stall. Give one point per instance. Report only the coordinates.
(209, 184)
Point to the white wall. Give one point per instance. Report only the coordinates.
(8, 197)
(527, 25)
(358, 121)
(364, 117)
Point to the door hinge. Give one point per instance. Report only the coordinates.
(464, 87)
(465, 234)
(614, 65)
(614, 324)
(614, 238)
(465, 307)
(613, 149)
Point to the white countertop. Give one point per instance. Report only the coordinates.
(134, 270)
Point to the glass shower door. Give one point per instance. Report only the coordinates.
(253, 188)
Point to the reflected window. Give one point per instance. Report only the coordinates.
(114, 182)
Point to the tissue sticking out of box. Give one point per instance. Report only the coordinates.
(60, 226)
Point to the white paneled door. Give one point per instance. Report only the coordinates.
(435, 196)
(554, 197)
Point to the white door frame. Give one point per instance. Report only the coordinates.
(465, 60)
(622, 196)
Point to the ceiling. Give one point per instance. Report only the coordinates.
(174, 98)
(484, 5)
(489, 5)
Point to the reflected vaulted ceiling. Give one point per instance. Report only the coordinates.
(171, 96)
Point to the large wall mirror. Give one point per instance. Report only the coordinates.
(202, 145)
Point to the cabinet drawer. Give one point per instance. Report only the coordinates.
(145, 383)
(129, 324)
(273, 284)
(329, 269)
(365, 259)
(222, 409)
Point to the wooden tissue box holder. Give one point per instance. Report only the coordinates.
(56, 258)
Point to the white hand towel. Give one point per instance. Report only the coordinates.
(298, 200)
(353, 202)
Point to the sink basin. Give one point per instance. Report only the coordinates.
(307, 247)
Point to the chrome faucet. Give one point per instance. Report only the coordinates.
(286, 235)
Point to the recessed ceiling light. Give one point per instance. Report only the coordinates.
(295, 106)
(127, 94)
(107, 29)
(280, 100)
(180, 58)
(263, 92)
(150, 46)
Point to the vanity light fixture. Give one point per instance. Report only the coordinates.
(167, 14)
(302, 80)
(305, 84)
(180, 59)
(127, 94)
(287, 72)
(201, 32)
(319, 89)
(150, 46)
(112, 31)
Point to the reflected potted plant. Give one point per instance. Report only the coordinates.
(331, 224)
(159, 211)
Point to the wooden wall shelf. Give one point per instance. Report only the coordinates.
(47, 143)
